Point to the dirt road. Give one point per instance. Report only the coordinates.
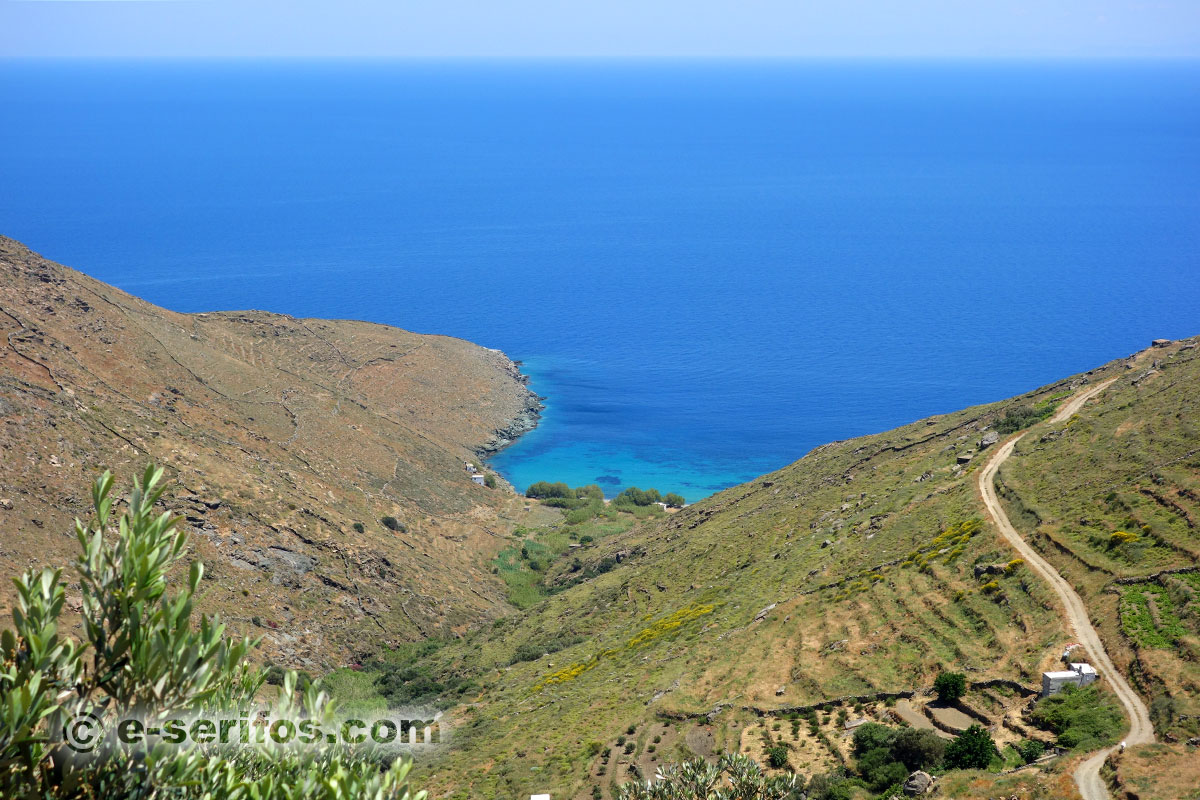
(1087, 776)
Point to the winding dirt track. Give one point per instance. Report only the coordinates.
(1087, 776)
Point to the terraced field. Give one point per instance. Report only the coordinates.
(864, 568)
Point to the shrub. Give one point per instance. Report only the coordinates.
(1119, 538)
(918, 749)
(532, 651)
(542, 490)
(674, 500)
(1083, 719)
(393, 524)
(973, 749)
(1013, 566)
(777, 756)
(146, 653)
(950, 686)
(1031, 750)
(699, 780)
(634, 496)
(489, 480)
(1021, 417)
(872, 736)
(359, 527)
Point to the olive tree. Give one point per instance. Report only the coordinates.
(144, 651)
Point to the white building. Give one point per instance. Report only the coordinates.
(478, 478)
(1077, 675)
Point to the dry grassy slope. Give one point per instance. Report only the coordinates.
(1131, 464)
(279, 434)
(844, 544)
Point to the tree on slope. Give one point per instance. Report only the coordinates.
(144, 652)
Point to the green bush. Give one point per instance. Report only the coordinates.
(543, 490)
(411, 677)
(972, 749)
(674, 500)
(884, 756)
(918, 749)
(699, 780)
(359, 527)
(489, 480)
(1083, 718)
(146, 653)
(393, 524)
(872, 736)
(634, 496)
(1031, 750)
(950, 686)
(1022, 417)
(777, 756)
(532, 651)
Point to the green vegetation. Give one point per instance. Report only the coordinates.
(1083, 718)
(698, 780)
(407, 677)
(532, 651)
(1031, 750)
(143, 652)
(393, 524)
(1150, 617)
(973, 749)
(1021, 417)
(634, 496)
(674, 500)
(489, 480)
(885, 756)
(862, 556)
(950, 686)
(544, 491)
(534, 568)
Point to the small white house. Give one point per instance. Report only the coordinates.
(478, 478)
(1077, 675)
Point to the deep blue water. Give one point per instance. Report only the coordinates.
(707, 268)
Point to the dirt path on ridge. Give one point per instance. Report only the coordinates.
(1087, 776)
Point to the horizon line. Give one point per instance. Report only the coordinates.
(613, 57)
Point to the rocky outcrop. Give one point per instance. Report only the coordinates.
(918, 783)
(526, 420)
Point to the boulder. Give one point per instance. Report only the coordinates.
(1160, 343)
(965, 458)
(918, 783)
(989, 439)
(763, 614)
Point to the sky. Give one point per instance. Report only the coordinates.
(600, 28)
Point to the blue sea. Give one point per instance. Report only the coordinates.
(706, 268)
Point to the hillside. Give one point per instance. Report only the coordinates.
(280, 436)
(844, 583)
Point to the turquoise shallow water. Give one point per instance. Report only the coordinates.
(708, 268)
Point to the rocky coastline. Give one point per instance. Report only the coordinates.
(526, 419)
